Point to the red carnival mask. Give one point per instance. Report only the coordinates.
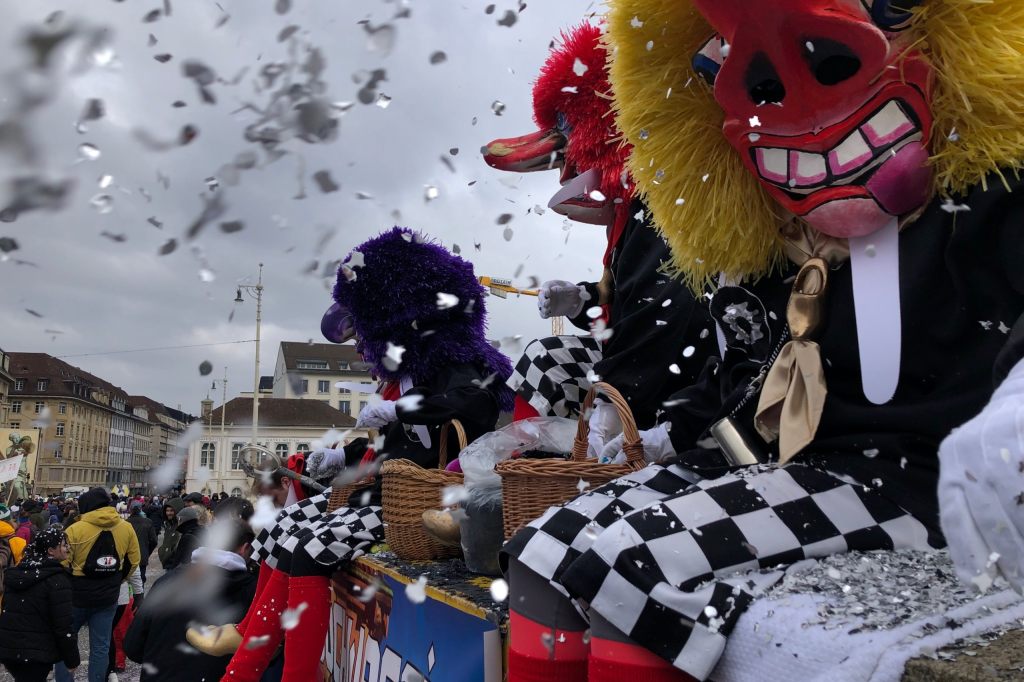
(826, 104)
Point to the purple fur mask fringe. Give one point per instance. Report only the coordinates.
(398, 288)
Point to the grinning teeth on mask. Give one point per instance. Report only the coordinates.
(849, 162)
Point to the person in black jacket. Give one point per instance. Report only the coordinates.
(419, 316)
(35, 625)
(147, 535)
(216, 588)
(189, 530)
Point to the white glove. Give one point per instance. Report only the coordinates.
(604, 425)
(981, 489)
(558, 297)
(657, 446)
(377, 414)
(325, 463)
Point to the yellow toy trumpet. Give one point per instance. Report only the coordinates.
(503, 287)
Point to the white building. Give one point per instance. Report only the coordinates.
(285, 426)
(313, 370)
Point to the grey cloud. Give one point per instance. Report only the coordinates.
(109, 296)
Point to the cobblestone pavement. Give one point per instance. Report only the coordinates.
(132, 669)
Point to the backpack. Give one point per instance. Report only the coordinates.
(168, 546)
(103, 560)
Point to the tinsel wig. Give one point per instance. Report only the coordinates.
(405, 290)
(712, 211)
(573, 84)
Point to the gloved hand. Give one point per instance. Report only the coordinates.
(136, 602)
(376, 414)
(558, 297)
(657, 446)
(325, 463)
(981, 489)
(604, 425)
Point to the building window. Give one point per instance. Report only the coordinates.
(323, 386)
(343, 365)
(312, 364)
(19, 384)
(345, 406)
(281, 450)
(304, 386)
(42, 384)
(62, 408)
(15, 425)
(236, 492)
(60, 429)
(39, 406)
(236, 456)
(344, 390)
(208, 455)
(362, 405)
(302, 448)
(15, 407)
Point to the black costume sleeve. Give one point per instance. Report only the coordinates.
(463, 394)
(583, 321)
(355, 450)
(60, 617)
(661, 335)
(1011, 250)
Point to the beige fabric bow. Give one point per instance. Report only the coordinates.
(794, 392)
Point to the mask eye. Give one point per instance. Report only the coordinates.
(709, 59)
(562, 124)
(890, 15)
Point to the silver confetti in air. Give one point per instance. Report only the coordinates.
(88, 152)
(498, 107)
(103, 203)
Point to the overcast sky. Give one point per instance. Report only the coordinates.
(91, 292)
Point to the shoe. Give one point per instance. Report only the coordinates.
(215, 640)
(443, 527)
(112, 677)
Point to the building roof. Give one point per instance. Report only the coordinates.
(64, 379)
(282, 412)
(73, 382)
(299, 351)
(156, 408)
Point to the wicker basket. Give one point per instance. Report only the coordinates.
(340, 494)
(410, 490)
(530, 486)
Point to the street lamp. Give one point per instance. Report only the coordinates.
(256, 291)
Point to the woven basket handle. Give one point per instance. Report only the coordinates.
(442, 446)
(631, 443)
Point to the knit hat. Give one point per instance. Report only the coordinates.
(188, 514)
(95, 498)
(49, 538)
(5, 513)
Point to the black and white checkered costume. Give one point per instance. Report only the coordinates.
(673, 564)
(329, 538)
(551, 375)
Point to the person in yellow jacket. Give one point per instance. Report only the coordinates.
(7, 528)
(104, 551)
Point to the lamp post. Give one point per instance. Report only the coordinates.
(256, 291)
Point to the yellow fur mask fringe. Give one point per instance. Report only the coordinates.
(714, 214)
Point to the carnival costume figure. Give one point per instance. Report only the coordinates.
(417, 314)
(652, 337)
(838, 175)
